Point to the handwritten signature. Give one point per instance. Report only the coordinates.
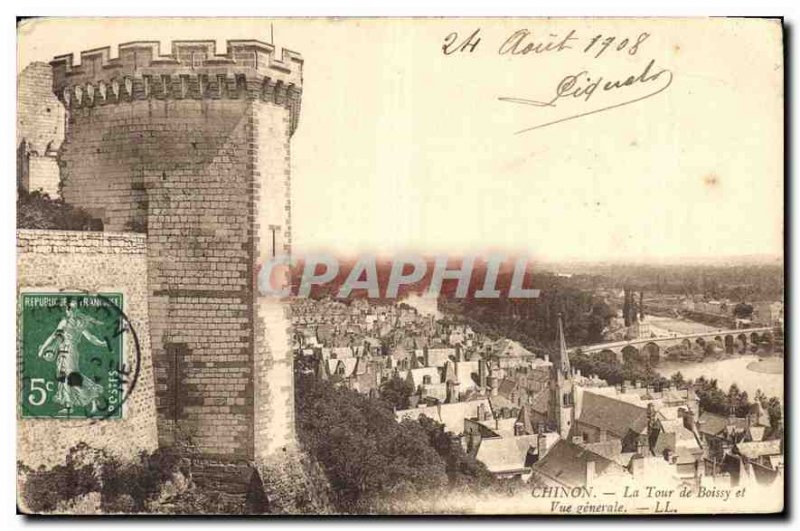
(581, 86)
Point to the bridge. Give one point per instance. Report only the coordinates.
(742, 340)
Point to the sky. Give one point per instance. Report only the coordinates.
(403, 148)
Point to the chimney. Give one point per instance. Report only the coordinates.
(541, 443)
(518, 430)
(482, 373)
(451, 392)
(481, 411)
(641, 445)
(590, 473)
(493, 385)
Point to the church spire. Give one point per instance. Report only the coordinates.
(563, 356)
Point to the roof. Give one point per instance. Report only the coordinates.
(348, 364)
(511, 349)
(613, 415)
(451, 415)
(400, 353)
(757, 433)
(565, 463)
(505, 454)
(540, 402)
(670, 413)
(464, 372)
(507, 386)
(501, 427)
(680, 440)
(756, 449)
(608, 448)
(499, 401)
(712, 424)
(439, 356)
(417, 375)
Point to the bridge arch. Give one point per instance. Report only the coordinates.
(767, 342)
(652, 352)
(741, 343)
(608, 356)
(630, 354)
(700, 342)
(729, 344)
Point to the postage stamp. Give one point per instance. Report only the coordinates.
(72, 355)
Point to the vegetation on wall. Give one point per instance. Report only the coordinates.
(91, 481)
(37, 210)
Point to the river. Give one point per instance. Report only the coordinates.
(728, 371)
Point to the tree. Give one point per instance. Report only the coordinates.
(368, 456)
(677, 379)
(614, 372)
(774, 411)
(743, 311)
(462, 469)
(396, 391)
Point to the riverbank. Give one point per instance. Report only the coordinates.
(736, 369)
(767, 366)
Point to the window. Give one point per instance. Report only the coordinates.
(274, 229)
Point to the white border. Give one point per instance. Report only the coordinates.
(790, 9)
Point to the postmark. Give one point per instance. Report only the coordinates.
(73, 355)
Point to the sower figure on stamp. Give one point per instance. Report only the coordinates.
(62, 346)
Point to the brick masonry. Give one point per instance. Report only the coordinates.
(193, 149)
(50, 261)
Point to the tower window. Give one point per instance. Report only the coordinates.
(274, 229)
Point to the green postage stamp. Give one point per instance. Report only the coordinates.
(72, 355)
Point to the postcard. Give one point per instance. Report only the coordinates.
(400, 266)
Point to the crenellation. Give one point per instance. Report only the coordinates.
(252, 59)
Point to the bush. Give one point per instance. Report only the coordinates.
(37, 210)
(92, 481)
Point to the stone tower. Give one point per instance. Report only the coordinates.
(40, 130)
(193, 149)
(562, 393)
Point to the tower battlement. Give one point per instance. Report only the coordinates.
(194, 70)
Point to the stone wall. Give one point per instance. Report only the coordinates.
(193, 149)
(51, 261)
(40, 129)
